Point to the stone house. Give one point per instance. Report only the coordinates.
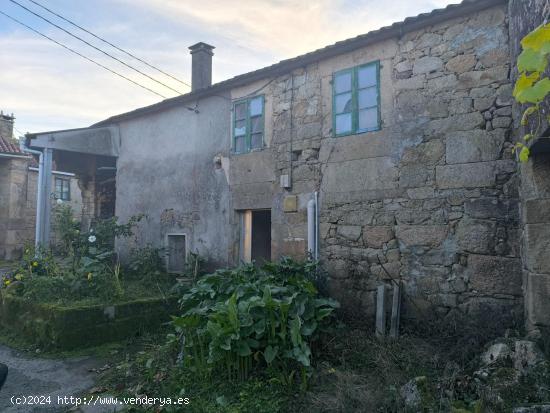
(18, 188)
(401, 137)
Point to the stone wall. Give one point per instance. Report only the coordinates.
(431, 198)
(18, 188)
(526, 15)
(15, 222)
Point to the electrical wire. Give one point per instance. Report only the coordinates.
(95, 47)
(81, 55)
(109, 43)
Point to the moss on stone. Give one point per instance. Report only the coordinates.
(64, 327)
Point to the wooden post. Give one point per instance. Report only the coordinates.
(381, 311)
(395, 311)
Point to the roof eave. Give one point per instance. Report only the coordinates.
(395, 30)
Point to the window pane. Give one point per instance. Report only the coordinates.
(256, 106)
(368, 98)
(240, 145)
(240, 111)
(367, 76)
(257, 124)
(368, 118)
(343, 103)
(342, 82)
(343, 123)
(256, 141)
(240, 127)
(67, 191)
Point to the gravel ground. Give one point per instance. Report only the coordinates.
(32, 376)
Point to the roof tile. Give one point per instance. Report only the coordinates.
(9, 146)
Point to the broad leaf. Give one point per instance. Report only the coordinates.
(270, 353)
(242, 348)
(532, 61)
(524, 154)
(535, 93)
(295, 335)
(538, 39)
(524, 81)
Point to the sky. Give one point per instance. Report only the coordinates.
(48, 88)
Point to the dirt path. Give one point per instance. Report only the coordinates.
(29, 376)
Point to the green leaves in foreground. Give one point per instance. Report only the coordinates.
(236, 320)
(530, 88)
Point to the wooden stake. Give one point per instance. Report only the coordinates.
(381, 311)
(395, 311)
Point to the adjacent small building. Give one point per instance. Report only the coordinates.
(18, 189)
(398, 142)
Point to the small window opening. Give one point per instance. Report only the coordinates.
(177, 253)
(62, 189)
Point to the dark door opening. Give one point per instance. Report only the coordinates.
(261, 236)
(256, 236)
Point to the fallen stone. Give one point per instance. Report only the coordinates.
(527, 355)
(498, 353)
(411, 392)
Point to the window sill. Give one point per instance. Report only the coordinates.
(360, 132)
(250, 151)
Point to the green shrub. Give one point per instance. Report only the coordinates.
(236, 320)
(146, 261)
(87, 268)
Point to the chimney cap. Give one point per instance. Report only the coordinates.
(200, 47)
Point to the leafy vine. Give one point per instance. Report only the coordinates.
(531, 87)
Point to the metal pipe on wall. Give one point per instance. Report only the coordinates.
(43, 206)
(313, 227)
(39, 195)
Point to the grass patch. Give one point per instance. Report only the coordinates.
(354, 372)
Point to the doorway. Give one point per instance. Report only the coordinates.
(256, 236)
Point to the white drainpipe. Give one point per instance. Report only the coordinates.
(313, 228)
(38, 231)
(316, 226)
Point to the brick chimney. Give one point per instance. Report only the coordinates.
(6, 125)
(201, 74)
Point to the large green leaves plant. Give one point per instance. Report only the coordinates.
(531, 87)
(237, 320)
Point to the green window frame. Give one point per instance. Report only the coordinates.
(356, 100)
(62, 189)
(248, 124)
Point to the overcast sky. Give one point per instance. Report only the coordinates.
(49, 88)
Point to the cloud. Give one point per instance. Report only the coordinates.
(287, 27)
(49, 88)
